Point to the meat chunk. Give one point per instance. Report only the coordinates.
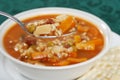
(50, 21)
(30, 40)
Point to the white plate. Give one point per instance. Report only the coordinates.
(9, 72)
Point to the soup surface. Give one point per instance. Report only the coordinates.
(86, 43)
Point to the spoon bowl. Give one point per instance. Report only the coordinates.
(22, 25)
(14, 19)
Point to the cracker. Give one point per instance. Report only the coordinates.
(107, 68)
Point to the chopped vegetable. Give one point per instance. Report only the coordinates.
(77, 38)
(96, 41)
(50, 44)
(61, 63)
(67, 24)
(94, 31)
(73, 54)
(43, 29)
(85, 46)
(38, 55)
(31, 28)
(82, 28)
(76, 60)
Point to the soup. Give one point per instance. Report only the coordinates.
(84, 44)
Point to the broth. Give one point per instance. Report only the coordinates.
(86, 43)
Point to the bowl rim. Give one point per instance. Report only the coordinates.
(106, 47)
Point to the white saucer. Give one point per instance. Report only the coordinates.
(9, 72)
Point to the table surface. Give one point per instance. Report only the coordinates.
(107, 10)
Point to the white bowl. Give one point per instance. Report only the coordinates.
(56, 73)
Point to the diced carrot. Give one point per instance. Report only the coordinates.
(96, 41)
(90, 45)
(61, 63)
(73, 54)
(67, 24)
(38, 55)
(53, 59)
(82, 28)
(77, 38)
(85, 46)
(94, 31)
(76, 60)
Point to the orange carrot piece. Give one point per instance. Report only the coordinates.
(53, 60)
(73, 54)
(67, 24)
(90, 45)
(76, 60)
(38, 55)
(96, 41)
(82, 28)
(61, 63)
(77, 38)
(94, 31)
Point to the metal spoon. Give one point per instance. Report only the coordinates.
(22, 25)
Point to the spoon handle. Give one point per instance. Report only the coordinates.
(13, 18)
(22, 25)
